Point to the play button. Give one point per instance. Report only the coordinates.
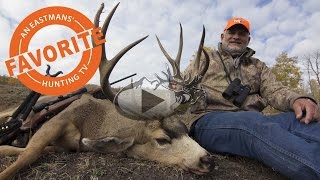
(143, 104)
(149, 101)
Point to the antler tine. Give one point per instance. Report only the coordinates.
(105, 66)
(198, 77)
(197, 60)
(206, 65)
(200, 72)
(106, 70)
(106, 23)
(97, 17)
(178, 58)
(174, 63)
(96, 24)
(171, 61)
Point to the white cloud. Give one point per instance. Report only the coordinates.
(17, 10)
(277, 26)
(5, 35)
(311, 6)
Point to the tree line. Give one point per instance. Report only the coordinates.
(300, 74)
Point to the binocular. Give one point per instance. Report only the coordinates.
(237, 92)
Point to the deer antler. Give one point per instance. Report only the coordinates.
(174, 63)
(106, 66)
(177, 77)
(200, 72)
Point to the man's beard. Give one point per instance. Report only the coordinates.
(236, 51)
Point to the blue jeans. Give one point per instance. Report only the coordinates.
(279, 141)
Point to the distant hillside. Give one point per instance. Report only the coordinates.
(10, 81)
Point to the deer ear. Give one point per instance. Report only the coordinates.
(108, 144)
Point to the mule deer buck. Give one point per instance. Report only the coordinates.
(91, 124)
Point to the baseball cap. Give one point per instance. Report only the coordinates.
(238, 20)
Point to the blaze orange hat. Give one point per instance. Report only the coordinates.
(238, 20)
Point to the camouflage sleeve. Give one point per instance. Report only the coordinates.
(190, 69)
(278, 96)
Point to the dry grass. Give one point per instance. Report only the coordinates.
(117, 166)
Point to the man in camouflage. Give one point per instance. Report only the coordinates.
(288, 142)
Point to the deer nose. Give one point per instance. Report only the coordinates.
(207, 161)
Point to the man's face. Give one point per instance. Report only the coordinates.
(235, 39)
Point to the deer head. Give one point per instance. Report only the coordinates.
(162, 139)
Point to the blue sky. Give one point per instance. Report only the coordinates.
(277, 26)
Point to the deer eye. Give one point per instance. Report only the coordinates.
(163, 141)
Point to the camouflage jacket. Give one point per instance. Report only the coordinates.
(265, 89)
